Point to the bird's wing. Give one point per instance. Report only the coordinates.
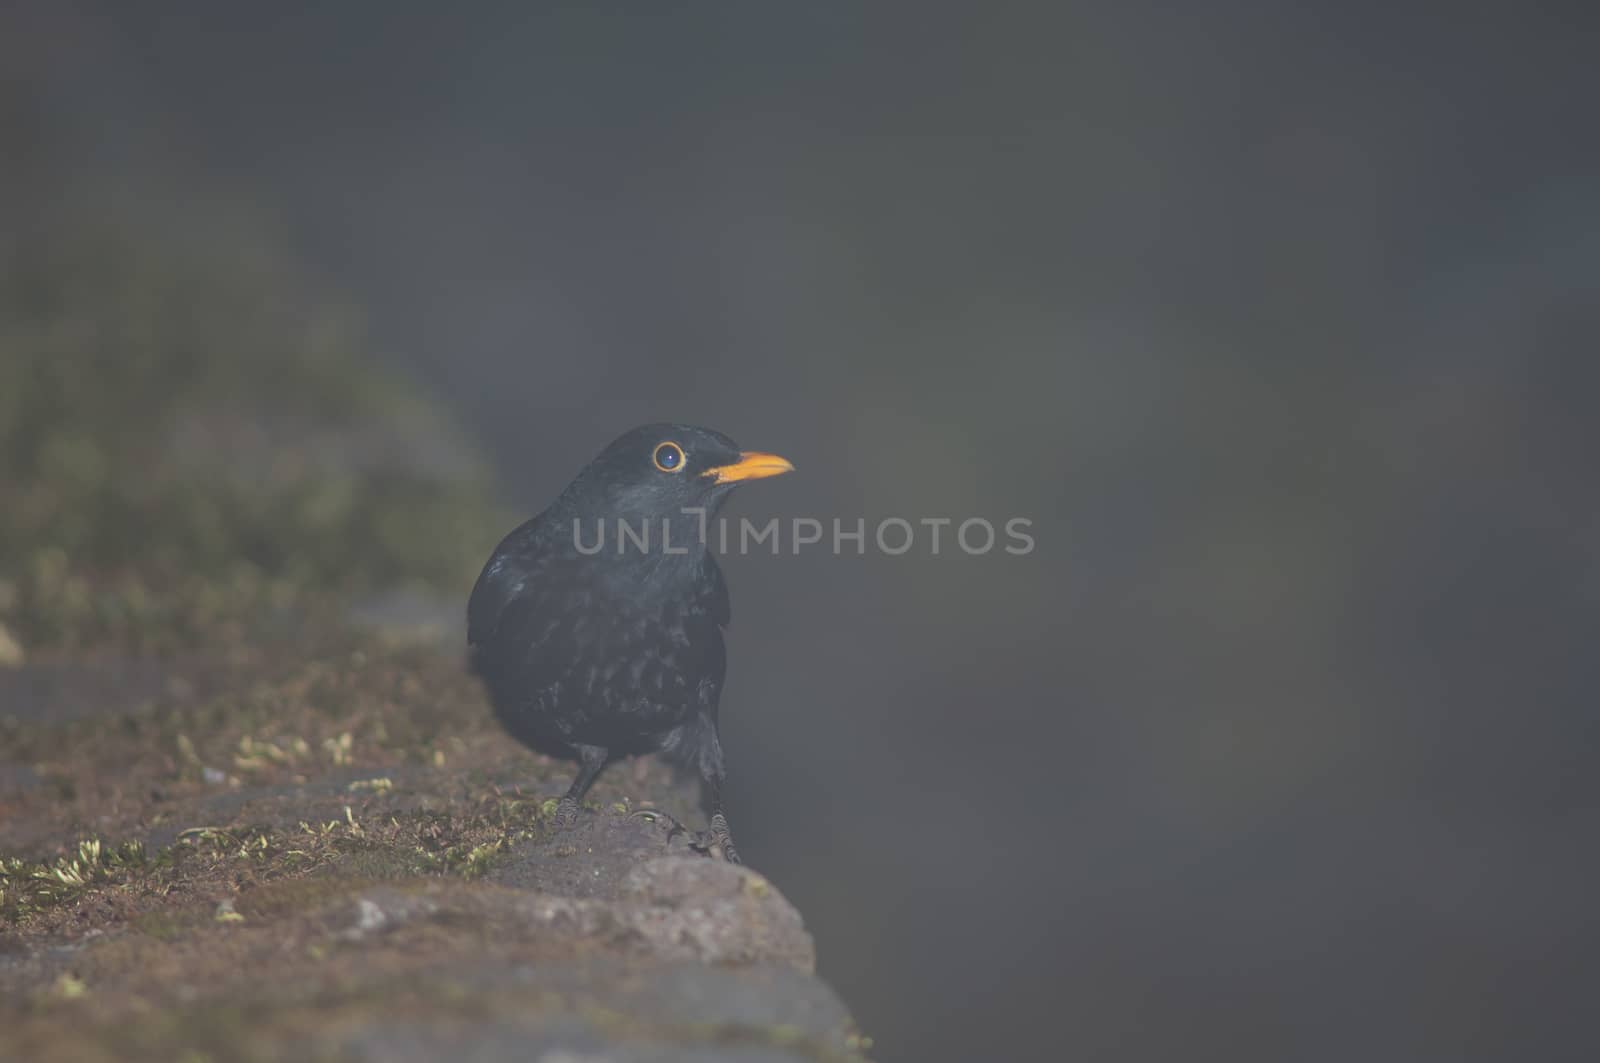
(514, 564)
(714, 614)
(540, 635)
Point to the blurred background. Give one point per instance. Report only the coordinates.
(1277, 321)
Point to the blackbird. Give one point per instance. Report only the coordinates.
(597, 625)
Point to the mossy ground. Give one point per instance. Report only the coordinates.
(193, 880)
(360, 759)
(204, 850)
(189, 439)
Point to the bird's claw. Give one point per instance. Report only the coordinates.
(709, 845)
(716, 842)
(566, 815)
(658, 818)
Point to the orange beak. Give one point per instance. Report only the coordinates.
(752, 465)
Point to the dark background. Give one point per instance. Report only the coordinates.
(1278, 321)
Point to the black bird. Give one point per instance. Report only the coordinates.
(597, 625)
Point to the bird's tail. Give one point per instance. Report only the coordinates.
(695, 748)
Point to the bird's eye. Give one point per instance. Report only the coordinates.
(668, 457)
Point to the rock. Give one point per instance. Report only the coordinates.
(714, 912)
(595, 858)
(306, 912)
(685, 1012)
(686, 908)
(384, 909)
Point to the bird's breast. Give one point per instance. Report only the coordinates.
(615, 676)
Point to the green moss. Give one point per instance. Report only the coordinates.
(466, 842)
(27, 887)
(189, 440)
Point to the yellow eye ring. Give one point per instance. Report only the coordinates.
(668, 457)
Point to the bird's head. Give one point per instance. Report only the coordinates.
(659, 470)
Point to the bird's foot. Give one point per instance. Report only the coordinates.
(659, 819)
(714, 842)
(566, 816)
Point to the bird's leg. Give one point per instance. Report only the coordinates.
(721, 837)
(591, 759)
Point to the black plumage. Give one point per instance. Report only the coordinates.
(597, 625)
